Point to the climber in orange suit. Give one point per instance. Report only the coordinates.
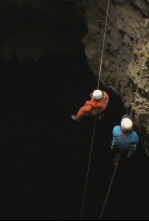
(97, 105)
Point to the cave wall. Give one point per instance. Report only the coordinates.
(126, 53)
(31, 28)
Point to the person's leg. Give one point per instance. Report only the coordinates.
(113, 145)
(83, 111)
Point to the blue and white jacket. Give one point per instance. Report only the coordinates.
(125, 140)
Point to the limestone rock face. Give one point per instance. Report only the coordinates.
(30, 28)
(125, 64)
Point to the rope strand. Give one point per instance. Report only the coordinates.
(88, 168)
(90, 156)
(107, 13)
(110, 186)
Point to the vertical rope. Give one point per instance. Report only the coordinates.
(88, 168)
(110, 187)
(96, 116)
(101, 61)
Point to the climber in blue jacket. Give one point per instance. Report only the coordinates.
(124, 137)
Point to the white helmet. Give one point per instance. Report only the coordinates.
(97, 94)
(126, 124)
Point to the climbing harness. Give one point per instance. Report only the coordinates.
(90, 155)
(122, 136)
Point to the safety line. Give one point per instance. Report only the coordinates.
(88, 169)
(119, 155)
(90, 156)
(107, 13)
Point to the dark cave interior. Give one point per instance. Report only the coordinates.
(44, 154)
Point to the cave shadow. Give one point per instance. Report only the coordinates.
(44, 154)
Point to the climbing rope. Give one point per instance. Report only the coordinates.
(88, 168)
(93, 135)
(118, 158)
(101, 60)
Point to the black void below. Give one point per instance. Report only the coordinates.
(44, 154)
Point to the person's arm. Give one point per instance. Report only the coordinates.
(89, 102)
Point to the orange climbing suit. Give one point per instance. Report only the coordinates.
(93, 106)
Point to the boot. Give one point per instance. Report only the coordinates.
(112, 146)
(129, 154)
(74, 117)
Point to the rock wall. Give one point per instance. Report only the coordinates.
(126, 54)
(31, 28)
